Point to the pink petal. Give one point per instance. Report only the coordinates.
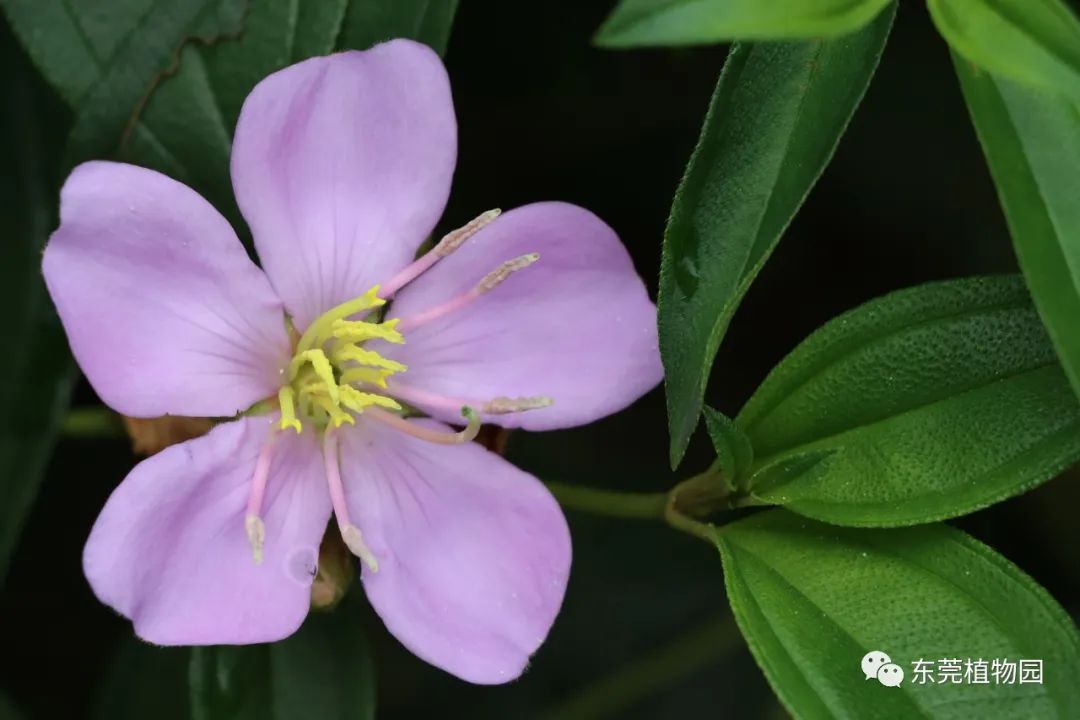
(169, 550)
(164, 310)
(473, 553)
(576, 326)
(342, 167)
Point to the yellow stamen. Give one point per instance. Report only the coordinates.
(356, 400)
(322, 367)
(365, 357)
(371, 376)
(338, 417)
(286, 399)
(359, 331)
(321, 329)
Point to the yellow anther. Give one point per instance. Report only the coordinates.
(371, 376)
(356, 400)
(366, 357)
(359, 331)
(322, 367)
(337, 416)
(286, 400)
(320, 330)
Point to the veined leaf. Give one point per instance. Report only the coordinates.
(103, 58)
(1036, 42)
(933, 402)
(812, 600)
(187, 126)
(773, 123)
(734, 454)
(372, 21)
(1031, 139)
(636, 23)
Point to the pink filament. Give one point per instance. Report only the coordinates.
(262, 472)
(441, 310)
(333, 480)
(424, 398)
(414, 270)
(419, 431)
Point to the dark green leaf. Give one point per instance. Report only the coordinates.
(774, 121)
(813, 599)
(35, 367)
(104, 58)
(8, 710)
(734, 453)
(1032, 142)
(1032, 41)
(371, 21)
(144, 681)
(111, 106)
(936, 401)
(635, 23)
(230, 682)
(323, 671)
(187, 127)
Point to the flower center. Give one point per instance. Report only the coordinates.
(331, 376)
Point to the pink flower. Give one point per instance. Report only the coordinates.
(341, 167)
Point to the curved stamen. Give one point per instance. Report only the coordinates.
(490, 281)
(425, 433)
(449, 243)
(354, 540)
(496, 406)
(253, 524)
(322, 328)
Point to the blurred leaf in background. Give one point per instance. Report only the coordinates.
(36, 372)
(104, 58)
(1035, 42)
(775, 119)
(636, 23)
(324, 670)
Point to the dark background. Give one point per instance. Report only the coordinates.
(544, 115)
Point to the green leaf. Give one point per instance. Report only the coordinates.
(371, 21)
(1031, 139)
(773, 123)
(144, 681)
(111, 106)
(734, 454)
(1036, 42)
(104, 58)
(230, 681)
(36, 372)
(8, 710)
(187, 126)
(323, 671)
(636, 23)
(936, 401)
(813, 599)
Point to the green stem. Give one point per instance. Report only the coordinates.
(610, 502)
(627, 686)
(92, 422)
